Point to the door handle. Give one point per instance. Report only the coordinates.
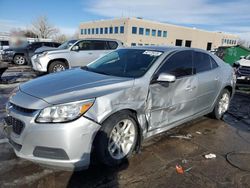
(90, 53)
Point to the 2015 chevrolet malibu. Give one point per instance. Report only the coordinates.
(115, 102)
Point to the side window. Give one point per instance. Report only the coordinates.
(213, 63)
(201, 62)
(84, 45)
(56, 45)
(99, 45)
(179, 64)
(112, 45)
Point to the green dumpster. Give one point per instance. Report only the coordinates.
(232, 54)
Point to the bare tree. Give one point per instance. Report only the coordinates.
(60, 38)
(42, 28)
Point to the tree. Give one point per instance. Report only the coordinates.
(60, 38)
(43, 28)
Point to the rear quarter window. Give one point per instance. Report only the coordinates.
(202, 62)
(112, 45)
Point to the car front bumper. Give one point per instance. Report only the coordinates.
(60, 145)
(7, 57)
(243, 81)
(39, 63)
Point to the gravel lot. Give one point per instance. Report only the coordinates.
(155, 165)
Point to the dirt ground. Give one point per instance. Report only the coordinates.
(155, 165)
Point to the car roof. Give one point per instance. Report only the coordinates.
(101, 39)
(166, 48)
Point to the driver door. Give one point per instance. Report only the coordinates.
(169, 102)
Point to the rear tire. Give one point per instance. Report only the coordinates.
(221, 105)
(57, 66)
(117, 138)
(19, 60)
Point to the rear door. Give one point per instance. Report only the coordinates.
(172, 102)
(208, 75)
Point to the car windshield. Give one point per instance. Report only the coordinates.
(125, 62)
(67, 44)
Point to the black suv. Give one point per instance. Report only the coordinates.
(21, 55)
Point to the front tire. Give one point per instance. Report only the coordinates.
(19, 60)
(57, 66)
(222, 105)
(117, 138)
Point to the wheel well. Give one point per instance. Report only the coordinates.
(140, 134)
(59, 59)
(230, 89)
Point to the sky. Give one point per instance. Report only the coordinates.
(231, 16)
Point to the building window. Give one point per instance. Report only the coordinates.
(116, 29)
(81, 31)
(209, 46)
(121, 29)
(145, 44)
(178, 42)
(147, 32)
(133, 44)
(106, 30)
(159, 33)
(110, 30)
(134, 30)
(141, 31)
(96, 30)
(101, 30)
(153, 32)
(93, 31)
(139, 44)
(89, 31)
(85, 31)
(188, 43)
(165, 33)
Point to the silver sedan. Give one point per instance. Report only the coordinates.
(111, 105)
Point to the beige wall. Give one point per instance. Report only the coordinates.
(199, 38)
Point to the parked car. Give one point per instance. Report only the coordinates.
(114, 103)
(4, 44)
(64, 45)
(21, 55)
(80, 53)
(242, 69)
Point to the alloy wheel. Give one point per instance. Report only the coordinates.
(121, 139)
(223, 103)
(58, 68)
(20, 60)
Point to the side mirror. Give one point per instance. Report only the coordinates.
(75, 48)
(164, 77)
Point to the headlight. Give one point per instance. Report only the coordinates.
(9, 52)
(64, 112)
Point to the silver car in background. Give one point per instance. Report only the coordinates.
(67, 56)
(111, 105)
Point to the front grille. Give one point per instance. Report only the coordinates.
(21, 109)
(17, 125)
(244, 71)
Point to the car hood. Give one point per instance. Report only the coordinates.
(73, 85)
(44, 49)
(244, 62)
(57, 51)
